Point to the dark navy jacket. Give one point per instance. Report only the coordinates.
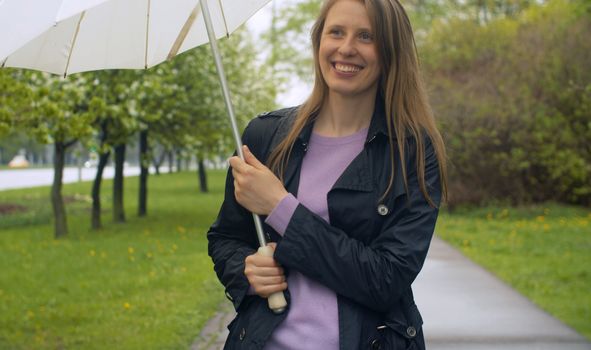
(369, 254)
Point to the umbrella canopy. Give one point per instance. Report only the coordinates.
(23, 20)
(97, 34)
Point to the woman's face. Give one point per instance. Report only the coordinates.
(348, 55)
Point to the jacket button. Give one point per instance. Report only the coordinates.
(375, 344)
(242, 334)
(383, 210)
(411, 331)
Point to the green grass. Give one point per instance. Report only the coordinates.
(145, 284)
(542, 251)
(149, 284)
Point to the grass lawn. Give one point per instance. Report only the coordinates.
(145, 284)
(542, 251)
(149, 284)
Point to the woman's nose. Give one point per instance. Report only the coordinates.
(347, 47)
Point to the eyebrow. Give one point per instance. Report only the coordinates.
(338, 26)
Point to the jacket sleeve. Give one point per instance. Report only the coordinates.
(377, 274)
(232, 237)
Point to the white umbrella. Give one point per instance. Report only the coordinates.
(86, 35)
(114, 33)
(39, 15)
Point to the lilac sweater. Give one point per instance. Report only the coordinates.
(312, 321)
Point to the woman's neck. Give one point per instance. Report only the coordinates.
(341, 115)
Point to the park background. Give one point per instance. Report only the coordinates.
(123, 263)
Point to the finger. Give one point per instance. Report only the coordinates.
(251, 159)
(265, 271)
(237, 164)
(268, 280)
(265, 291)
(261, 261)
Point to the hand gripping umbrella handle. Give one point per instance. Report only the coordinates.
(277, 301)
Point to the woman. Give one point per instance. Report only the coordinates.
(349, 193)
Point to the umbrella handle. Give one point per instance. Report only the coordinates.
(276, 301)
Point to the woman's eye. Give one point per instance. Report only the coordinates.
(365, 36)
(336, 32)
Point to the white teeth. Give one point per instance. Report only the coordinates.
(346, 68)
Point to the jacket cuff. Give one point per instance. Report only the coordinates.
(279, 218)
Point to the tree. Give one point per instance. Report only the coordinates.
(114, 125)
(59, 116)
(513, 100)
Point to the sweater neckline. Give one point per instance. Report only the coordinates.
(358, 136)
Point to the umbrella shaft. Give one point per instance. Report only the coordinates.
(227, 99)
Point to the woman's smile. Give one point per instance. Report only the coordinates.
(346, 67)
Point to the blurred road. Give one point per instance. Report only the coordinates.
(23, 178)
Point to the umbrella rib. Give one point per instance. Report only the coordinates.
(176, 46)
(224, 17)
(74, 42)
(147, 35)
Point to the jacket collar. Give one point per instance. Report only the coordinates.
(377, 124)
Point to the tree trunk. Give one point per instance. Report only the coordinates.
(170, 162)
(96, 190)
(178, 161)
(202, 175)
(157, 161)
(118, 210)
(96, 223)
(144, 162)
(57, 200)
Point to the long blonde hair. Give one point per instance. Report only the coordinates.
(405, 100)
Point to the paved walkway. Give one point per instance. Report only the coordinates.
(464, 307)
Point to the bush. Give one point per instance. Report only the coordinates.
(513, 97)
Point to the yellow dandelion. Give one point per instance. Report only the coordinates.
(130, 250)
(466, 243)
(181, 229)
(127, 306)
(149, 255)
(92, 253)
(546, 227)
(489, 216)
(147, 232)
(152, 273)
(174, 247)
(30, 314)
(103, 255)
(492, 242)
(540, 218)
(183, 269)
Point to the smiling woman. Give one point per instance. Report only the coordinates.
(348, 55)
(349, 184)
